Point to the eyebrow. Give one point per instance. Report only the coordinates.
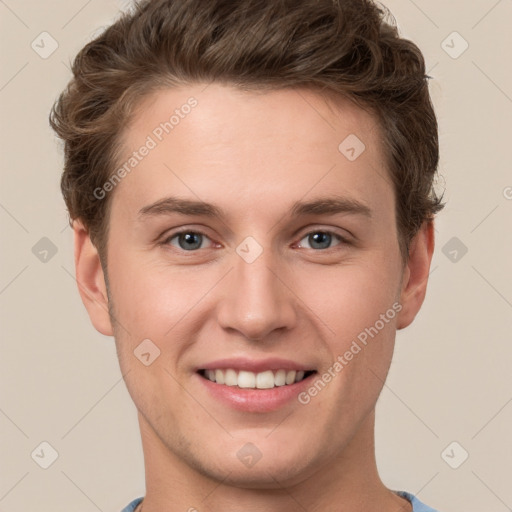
(321, 206)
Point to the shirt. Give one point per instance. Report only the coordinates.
(417, 505)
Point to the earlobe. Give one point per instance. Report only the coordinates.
(416, 273)
(91, 280)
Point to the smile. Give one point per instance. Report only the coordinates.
(267, 379)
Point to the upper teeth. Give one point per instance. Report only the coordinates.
(263, 380)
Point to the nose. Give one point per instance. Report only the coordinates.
(257, 299)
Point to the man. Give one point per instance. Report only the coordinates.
(250, 188)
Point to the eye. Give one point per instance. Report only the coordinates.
(321, 239)
(189, 240)
(186, 240)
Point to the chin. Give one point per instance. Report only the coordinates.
(249, 468)
(266, 476)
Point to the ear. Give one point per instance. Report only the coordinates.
(416, 273)
(90, 280)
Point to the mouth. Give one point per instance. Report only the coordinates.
(253, 384)
(266, 379)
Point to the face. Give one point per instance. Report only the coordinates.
(254, 247)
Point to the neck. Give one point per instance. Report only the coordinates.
(349, 481)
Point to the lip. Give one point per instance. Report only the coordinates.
(255, 400)
(256, 366)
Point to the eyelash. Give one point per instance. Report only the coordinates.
(342, 240)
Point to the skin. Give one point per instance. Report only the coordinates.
(254, 155)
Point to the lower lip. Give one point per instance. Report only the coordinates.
(256, 400)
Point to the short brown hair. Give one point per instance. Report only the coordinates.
(345, 47)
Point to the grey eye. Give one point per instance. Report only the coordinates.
(320, 239)
(188, 240)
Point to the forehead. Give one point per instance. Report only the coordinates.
(219, 142)
(222, 113)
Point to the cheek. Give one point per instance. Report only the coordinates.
(165, 304)
(358, 304)
(349, 298)
(153, 297)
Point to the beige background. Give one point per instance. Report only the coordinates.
(450, 379)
